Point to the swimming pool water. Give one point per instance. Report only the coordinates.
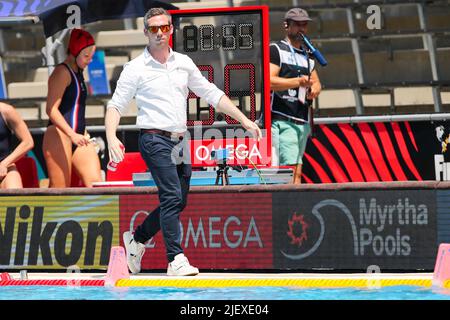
(232, 293)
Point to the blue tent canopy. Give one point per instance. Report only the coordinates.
(54, 16)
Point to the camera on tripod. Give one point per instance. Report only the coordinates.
(220, 155)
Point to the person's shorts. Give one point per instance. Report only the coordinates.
(289, 142)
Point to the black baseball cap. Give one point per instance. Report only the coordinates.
(297, 14)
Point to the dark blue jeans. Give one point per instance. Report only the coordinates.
(170, 166)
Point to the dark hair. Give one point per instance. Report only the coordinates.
(156, 12)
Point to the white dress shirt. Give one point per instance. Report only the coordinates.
(161, 90)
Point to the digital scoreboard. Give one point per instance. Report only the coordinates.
(230, 46)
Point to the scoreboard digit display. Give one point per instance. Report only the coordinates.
(230, 46)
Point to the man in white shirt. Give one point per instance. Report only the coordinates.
(159, 79)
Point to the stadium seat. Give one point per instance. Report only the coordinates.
(402, 65)
(340, 70)
(28, 171)
(95, 111)
(413, 96)
(28, 112)
(343, 98)
(135, 53)
(120, 38)
(210, 4)
(132, 163)
(19, 90)
(392, 55)
(40, 74)
(116, 60)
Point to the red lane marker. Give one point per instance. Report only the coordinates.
(54, 282)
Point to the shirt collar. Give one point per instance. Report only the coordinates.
(148, 57)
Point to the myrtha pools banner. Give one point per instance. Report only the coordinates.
(393, 229)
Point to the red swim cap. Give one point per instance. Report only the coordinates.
(79, 39)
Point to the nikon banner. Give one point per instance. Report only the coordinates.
(392, 229)
(52, 232)
(233, 231)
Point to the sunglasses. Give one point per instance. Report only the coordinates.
(154, 29)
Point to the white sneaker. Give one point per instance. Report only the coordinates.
(135, 250)
(181, 267)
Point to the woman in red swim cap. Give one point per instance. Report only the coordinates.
(66, 144)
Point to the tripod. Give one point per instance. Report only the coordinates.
(222, 174)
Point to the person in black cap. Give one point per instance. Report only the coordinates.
(294, 84)
(66, 145)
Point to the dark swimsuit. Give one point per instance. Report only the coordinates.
(73, 103)
(5, 139)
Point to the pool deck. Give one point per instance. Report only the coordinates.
(216, 280)
(212, 275)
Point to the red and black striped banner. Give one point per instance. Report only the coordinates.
(368, 152)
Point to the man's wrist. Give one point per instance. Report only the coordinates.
(110, 137)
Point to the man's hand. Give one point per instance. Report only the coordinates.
(315, 91)
(253, 128)
(304, 82)
(316, 87)
(226, 106)
(116, 150)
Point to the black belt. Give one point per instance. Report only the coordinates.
(276, 116)
(168, 134)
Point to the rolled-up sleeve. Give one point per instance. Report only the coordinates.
(125, 90)
(201, 86)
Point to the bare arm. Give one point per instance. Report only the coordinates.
(278, 83)
(57, 84)
(20, 129)
(115, 147)
(226, 106)
(316, 87)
